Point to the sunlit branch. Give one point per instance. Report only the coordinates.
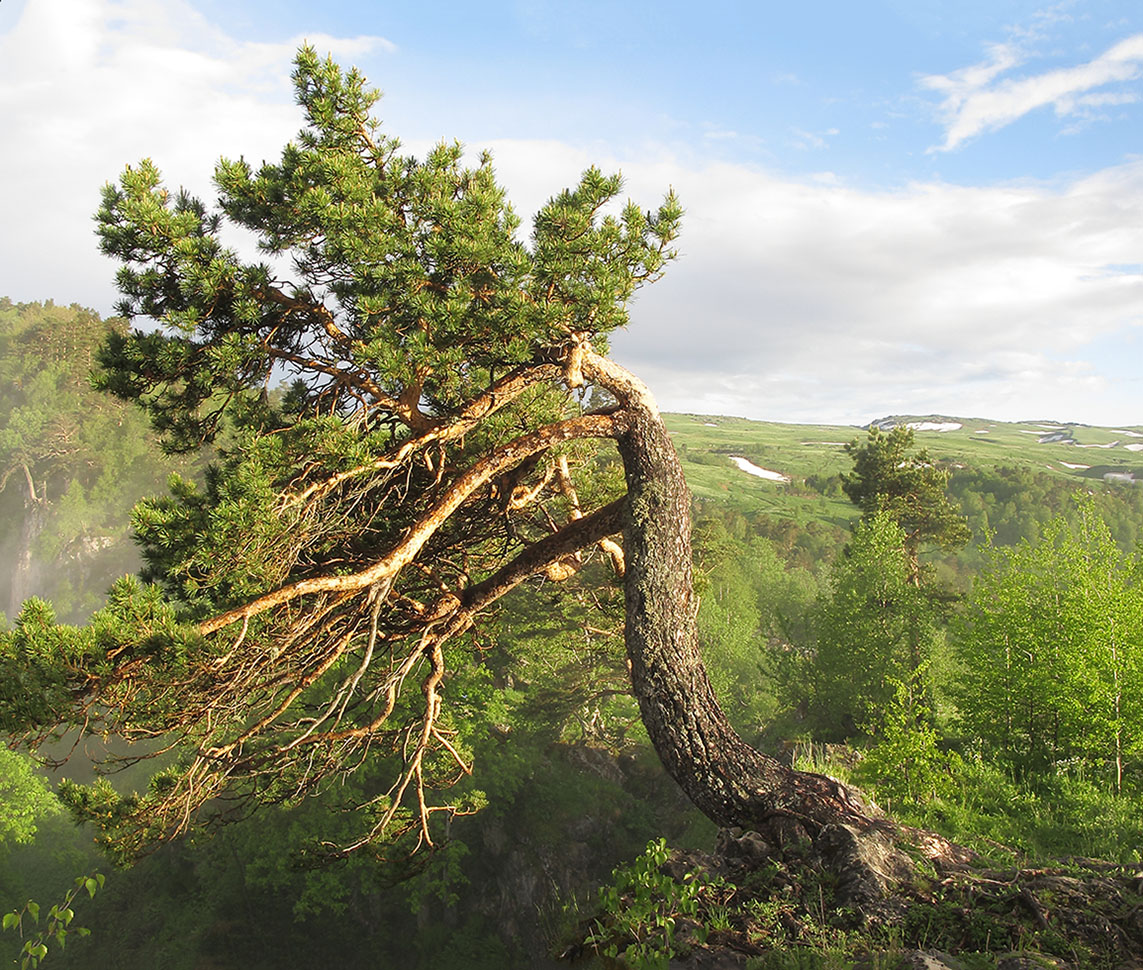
(584, 426)
(502, 392)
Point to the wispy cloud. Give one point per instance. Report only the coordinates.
(977, 99)
(805, 140)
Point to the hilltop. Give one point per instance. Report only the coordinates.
(783, 481)
(741, 459)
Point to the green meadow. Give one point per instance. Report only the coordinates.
(809, 455)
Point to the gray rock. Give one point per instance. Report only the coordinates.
(1020, 961)
(867, 863)
(748, 847)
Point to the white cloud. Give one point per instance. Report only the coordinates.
(720, 134)
(88, 86)
(806, 301)
(811, 300)
(1103, 100)
(966, 81)
(975, 100)
(794, 299)
(803, 140)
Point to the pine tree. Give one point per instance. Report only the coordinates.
(909, 487)
(430, 455)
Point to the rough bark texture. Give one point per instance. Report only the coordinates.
(730, 781)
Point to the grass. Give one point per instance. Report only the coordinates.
(988, 810)
(706, 443)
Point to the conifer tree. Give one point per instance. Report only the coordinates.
(428, 457)
(910, 487)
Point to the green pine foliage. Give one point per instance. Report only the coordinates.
(428, 283)
(910, 487)
(421, 340)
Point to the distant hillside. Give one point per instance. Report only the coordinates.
(1002, 471)
(794, 452)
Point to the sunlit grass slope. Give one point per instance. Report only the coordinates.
(708, 444)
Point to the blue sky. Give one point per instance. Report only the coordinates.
(894, 206)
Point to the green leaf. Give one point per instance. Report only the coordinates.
(11, 920)
(34, 910)
(92, 885)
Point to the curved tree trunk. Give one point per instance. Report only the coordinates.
(726, 778)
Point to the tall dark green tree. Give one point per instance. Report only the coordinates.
(422, 465)
(875, 633)
(888, 476)
(878, 629)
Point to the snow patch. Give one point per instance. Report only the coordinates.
(1133, 447)
(1054, 437)
(1068, 464)
(709, 424)
(934, 425)
(1110, 444)
(751, 469)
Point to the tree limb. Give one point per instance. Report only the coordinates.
(584, 426)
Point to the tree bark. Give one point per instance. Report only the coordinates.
(726, 778)
(26, 572)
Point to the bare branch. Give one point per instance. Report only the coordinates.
(503, 392)
(584, 426)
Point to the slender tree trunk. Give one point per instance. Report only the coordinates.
(1118, 699)
(25, 571)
